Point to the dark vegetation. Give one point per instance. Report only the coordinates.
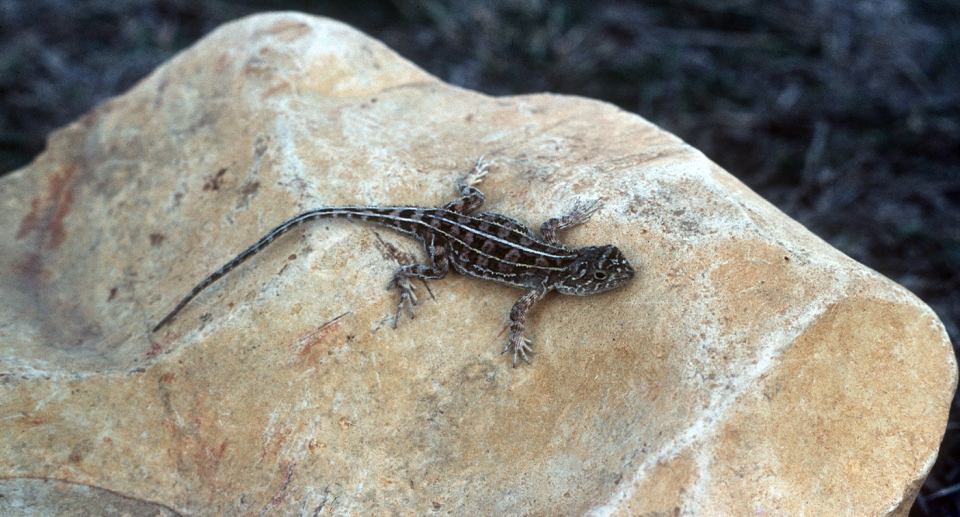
(845, 114)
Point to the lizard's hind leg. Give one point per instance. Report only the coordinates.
(438, 268)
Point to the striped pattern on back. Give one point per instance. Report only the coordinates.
(488, 245)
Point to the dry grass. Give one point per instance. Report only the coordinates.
(844, 114)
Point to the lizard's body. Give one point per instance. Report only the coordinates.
(488, 245)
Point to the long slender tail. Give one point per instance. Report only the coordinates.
(383, 215)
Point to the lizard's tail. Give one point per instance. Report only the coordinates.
(384, 215)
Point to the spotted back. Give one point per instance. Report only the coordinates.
(495, 247)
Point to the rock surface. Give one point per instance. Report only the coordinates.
(748, 369)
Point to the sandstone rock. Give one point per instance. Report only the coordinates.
(749, 369)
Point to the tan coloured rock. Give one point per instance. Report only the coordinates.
(749, 368)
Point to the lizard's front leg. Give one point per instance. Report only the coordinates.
(580, 214)
(517, 343)
(438, 268)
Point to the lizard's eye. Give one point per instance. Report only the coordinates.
(600, 275)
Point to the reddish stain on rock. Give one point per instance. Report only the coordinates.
(31, 266)
(48, 211)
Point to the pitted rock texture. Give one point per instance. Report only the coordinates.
(748, 369)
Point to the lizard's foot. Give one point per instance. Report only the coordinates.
(475, 176)
(582, 211)
(520, 347)
(407, 298)
(580, 214)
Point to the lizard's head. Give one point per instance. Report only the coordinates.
(596, 269)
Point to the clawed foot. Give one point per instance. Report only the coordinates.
(582, 211)
(475, 176)
(520, 346)
(407, 298)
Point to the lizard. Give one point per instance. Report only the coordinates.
(488, 245)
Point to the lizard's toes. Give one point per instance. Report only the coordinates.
(521, 348)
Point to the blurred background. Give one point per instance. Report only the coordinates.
(843, 113)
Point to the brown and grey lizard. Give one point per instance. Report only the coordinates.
(490, 246)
